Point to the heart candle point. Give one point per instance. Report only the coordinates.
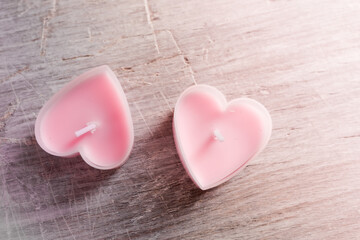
(218, 136)
(91, 127)
(90, 116)
(215, 139)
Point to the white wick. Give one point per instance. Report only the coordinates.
(218, 136)
(91, 127)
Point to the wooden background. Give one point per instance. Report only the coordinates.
(300, 58)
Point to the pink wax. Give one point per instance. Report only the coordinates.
(97, 99)
(215, 139)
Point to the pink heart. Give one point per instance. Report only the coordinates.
(216, 139)
(95, 99)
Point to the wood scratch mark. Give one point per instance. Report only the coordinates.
(161, 58)
(9, 112)
(206, 54)
(210, 39)
(142, 116)
(41, 231)
(23, 12)
(16, 224)
(14, 74)
(45, 27)
(82, 56)
(184, 59)
(57, 225)
(89, 33)
(92, 229)
(99, 202)
(20, 3)
(167, 103)
(74, 199)
(7, 223)
(153, 60)
(13, 90)
(57, 206)
(26, 141)
(136, 36)
(24, 185)
(3, 178)
(13, 216)
(3, 197)
(127, 69)
(113, 43)
(23, 112)
(87, 210)
(20, 72)
(352, 136)
(148, 17)
(322, 98)
(131, 68)
(127, 232)
(34, 89)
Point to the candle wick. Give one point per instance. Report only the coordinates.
(218, 136)
(91, 127)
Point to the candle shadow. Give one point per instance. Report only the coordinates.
(165, 186)
(31, 174)
(151, 190)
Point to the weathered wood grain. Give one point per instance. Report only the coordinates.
(300, 58)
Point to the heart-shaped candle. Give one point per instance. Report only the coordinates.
(215, 139)
(90, 116)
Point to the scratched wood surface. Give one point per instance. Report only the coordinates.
(300, 58)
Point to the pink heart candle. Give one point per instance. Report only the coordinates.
(90, 116)
(216, 139)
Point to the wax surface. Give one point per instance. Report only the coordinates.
(98, 98)
(202, 110)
